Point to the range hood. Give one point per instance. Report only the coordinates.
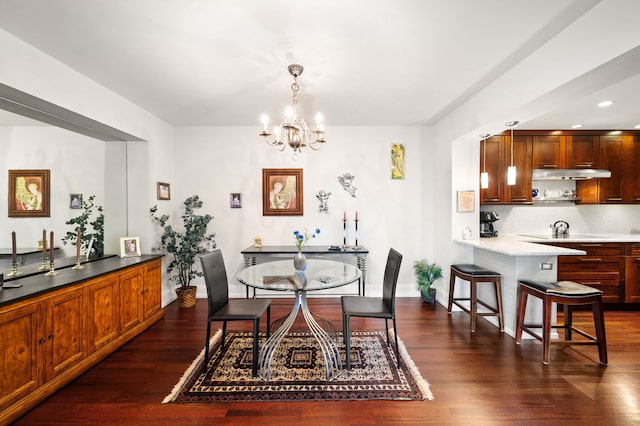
(569, 174)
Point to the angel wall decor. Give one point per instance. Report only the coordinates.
(323, 197)
(346, 180)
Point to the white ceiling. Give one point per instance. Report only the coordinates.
(367, 62)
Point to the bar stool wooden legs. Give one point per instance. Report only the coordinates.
(569, 294)
(475, 274)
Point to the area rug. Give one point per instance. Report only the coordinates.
(298, 374)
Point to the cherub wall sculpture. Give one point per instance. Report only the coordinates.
(346, 180)
(323, 197)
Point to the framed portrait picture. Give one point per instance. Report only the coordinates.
(164, 191)
(235, 200)
(29, 193)
(129, 246)
(282, 192)
(75, 201)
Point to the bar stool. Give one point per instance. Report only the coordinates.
(569, 294)
(475, 274)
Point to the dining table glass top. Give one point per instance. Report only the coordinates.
(282, 276)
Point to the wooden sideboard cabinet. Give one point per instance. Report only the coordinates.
(49, 338)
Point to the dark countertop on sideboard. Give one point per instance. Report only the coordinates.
(39, 284)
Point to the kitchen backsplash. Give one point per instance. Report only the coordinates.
(535, 219)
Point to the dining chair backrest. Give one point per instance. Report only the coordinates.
(391, 272)
(215, 278)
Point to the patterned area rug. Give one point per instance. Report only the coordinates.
(298, 372)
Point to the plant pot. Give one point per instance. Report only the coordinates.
(430, 297)
(187, 296)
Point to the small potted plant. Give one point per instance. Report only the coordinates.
(185, 246)
(426, 274)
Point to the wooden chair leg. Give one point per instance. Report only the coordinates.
(520, 313)
(473, 307)
(498, 287)
(546, 329)
(598, 318)
(452, 287)
(568, 321)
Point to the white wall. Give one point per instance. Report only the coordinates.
(213, 162)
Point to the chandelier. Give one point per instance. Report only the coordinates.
(294, 131)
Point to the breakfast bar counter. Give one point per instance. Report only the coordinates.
(516, 258)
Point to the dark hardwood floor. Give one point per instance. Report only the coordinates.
(482, 378)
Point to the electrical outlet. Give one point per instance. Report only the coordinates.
(546, 266)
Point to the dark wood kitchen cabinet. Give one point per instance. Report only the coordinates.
(549, 152)
(632, 274)
(495, 153)
(582, 151)
(602, 267)
(618, 154)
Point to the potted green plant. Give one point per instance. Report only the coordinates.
(185, 246)
(426, 274)
(90, 242)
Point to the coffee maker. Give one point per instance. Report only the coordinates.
(486, 224)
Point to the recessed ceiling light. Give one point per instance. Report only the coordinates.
(605, 104)
(576, 126)
(637, 126)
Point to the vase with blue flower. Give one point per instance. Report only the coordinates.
(299, 260)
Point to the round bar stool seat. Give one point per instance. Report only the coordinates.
(569, 294)
(475, 274)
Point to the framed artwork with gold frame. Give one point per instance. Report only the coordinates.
(282, 192)
(29, 193)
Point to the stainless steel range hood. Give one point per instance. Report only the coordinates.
(569, 174)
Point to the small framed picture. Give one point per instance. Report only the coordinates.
(129, 246)
(236, 200)
(75, 201)
(164, 191)
(466, 201)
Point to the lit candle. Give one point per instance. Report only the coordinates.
(265, 121)
(78, 243)
(44, 244)
(13, 247)
(51, 247)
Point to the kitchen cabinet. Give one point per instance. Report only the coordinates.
(632, 274)
(496, 151)
(51, 337)
(582, 151)
(602, 268)
(492, 161)
(549, 152)
(522, 151)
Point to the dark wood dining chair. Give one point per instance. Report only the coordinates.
(374, 307)
(223, 309)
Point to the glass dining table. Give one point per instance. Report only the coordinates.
(282, 276)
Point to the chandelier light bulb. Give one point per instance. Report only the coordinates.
(265, 120)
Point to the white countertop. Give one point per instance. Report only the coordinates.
(523, 245)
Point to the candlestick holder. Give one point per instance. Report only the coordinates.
(14, 270)
(78, 265)
(52, 271)
(356, 247)
(45, 264)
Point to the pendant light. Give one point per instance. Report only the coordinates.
(511, 170)
(484, 176)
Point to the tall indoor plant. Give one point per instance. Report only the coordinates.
(426, 274)
(185, 246)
